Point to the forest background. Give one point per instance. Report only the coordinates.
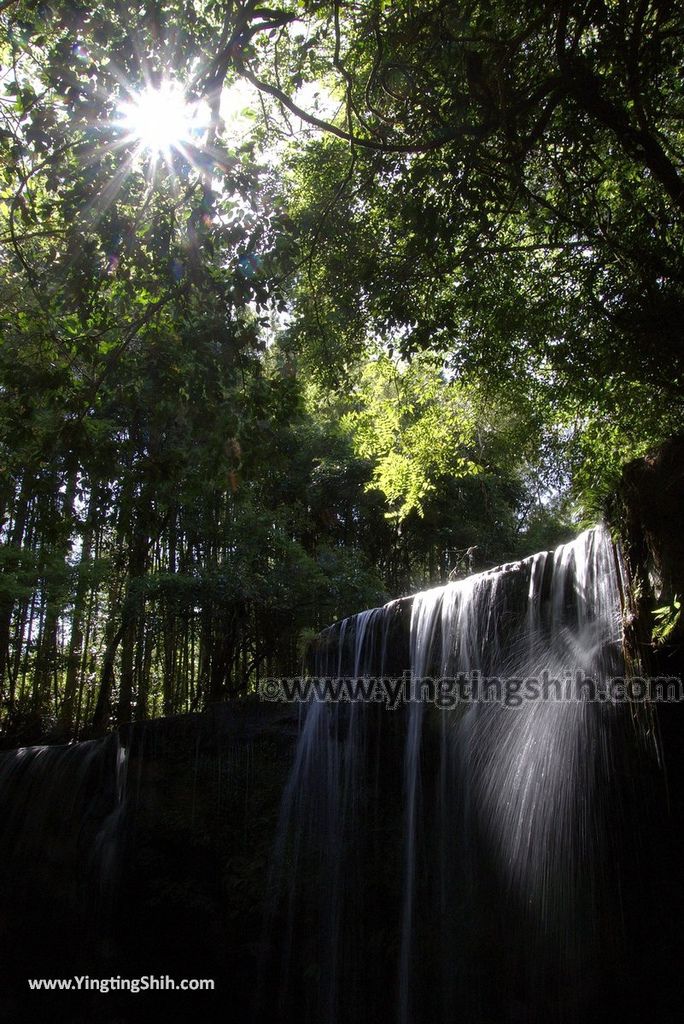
(388, 281)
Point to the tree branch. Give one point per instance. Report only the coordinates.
(586, 89)
(357, 140)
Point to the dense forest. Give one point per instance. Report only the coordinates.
(299, 304)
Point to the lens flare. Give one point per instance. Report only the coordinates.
(161, 119)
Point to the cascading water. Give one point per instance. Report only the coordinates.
(526, 779)
(505, 803)
(463, 860)
(327, 797)
(61, 809)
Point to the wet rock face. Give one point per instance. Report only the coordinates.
(144, 853)
(653, 494)
(649, 515)
(386, 643)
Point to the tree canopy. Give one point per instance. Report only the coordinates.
(391, 280)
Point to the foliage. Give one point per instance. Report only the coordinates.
(252, 382)
(667, 619)
(511, 199)
(415, 426)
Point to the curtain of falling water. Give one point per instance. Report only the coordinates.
(512, 805)
(62, 809)
(317, 859)
(520, 781)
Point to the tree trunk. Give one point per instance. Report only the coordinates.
(74, 655)
(14, 543)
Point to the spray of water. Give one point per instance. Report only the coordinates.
(502, 809)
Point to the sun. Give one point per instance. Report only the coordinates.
(161, 118)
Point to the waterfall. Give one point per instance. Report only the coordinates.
(502, 817)
(526, 780)
(469, 848)
(322, 808)
(62, 809)
(46, 790)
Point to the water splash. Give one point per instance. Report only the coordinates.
(527, 783)
(503, 810)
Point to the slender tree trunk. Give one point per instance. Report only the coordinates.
(74, 655)
(103, 705)
(14, 542)
(54, 576)
(131, 614)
